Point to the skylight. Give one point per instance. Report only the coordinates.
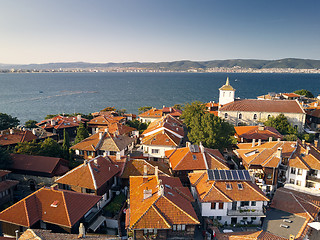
(54, 204)
(240, 186)
(228, 186)
(194, 157)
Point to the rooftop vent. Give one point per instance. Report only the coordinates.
(287, 220)
(55, 203)
(284, 226)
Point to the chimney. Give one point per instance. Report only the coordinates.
(118, 156)
(34, 132)
(79, 118)
(82, 231)
(156, 171)
(145, 170)
(241, 140)
(201, 147)
(11, 131)
(307, 150)
(303, 142)
(106, 129)
(188, 144)
(261, 128)
(279, 139)
(147, 193)
(100, 135)
(53, 122)
(316, 143)
(17, 234)
(259, 142)
(253, 142)
(270, 139)
(279, 152)
(161, 188)
(54, 187)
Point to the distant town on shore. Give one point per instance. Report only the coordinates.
(287, 65)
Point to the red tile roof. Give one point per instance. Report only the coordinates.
(158, 210)
(216, 191)
(305, 157)
(70, 208)
(152, 113)
(256, 105)
(40, 164)
(92, 174)
(185, 159)
(61, 122)
(257, 132)
(18, 136)
(162, 138)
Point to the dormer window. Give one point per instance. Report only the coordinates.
(194, 157)
(228, 186)
(240, 186)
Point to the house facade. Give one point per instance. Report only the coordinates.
(6, 187)
(229, 196)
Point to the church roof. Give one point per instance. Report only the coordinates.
(227, 86)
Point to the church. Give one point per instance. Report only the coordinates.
(251, 112)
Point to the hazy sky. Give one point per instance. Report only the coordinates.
(41, 31)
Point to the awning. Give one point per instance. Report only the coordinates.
(315, 225)
(97, 223)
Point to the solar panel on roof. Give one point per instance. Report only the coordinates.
(228, 175)
(234, 175)
(223, 175)
(241, 175)
(247, 175)
(216, 175)
(210, 174)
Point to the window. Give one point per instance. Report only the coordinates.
(240, 186)
(213, 205)
(269, 176)
(226, 115)
(293, 171)
(183, 227)
(244, 203)
(194, 157)
(155, 150)
(298, 183)
(228, 186)
(291, 181)
(174, 227)
(221, 206)
(240, 116)
(269, 116)
(255, 116)
(179, 227)
(299, 171)
(253, 218)
(219, 218)
(253, 203)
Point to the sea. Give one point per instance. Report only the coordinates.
(35, 95)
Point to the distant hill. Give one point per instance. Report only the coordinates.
(179, 65)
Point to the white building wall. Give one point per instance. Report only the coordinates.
(295, 177)
(226, 97)
(150, 150)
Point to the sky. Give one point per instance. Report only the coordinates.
(101, 31)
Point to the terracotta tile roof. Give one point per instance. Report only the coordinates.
(70, 207)
(61, 122)
(291, 95)
(315, 112)
(18, 136)
(152, 113)
(108, 142)
(135, 167)
(172, 111)
(120, 129)
(216, 191)
(266, 154)
(252, 235)
(269, 236)
(7, 184)
(162, 138)
(167, 122)
(160, 211)
(185, 159)
(40, 164)
(257, 132)
(91, 174)
(105, 120)
(305, 157)
(298, 203)
(256, 105)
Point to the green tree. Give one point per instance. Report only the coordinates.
(211, 131)
(304, 92)
(82, 133)
(144, 109)
(137, 125)
(28, 148)
(121, 111)
(281, 124)
(66, 145)
(50, 148)
(31, 124)
(7, 121)
(178, 106)
(5, 159)
(107, 109)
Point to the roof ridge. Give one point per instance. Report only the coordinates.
(221, 192)
(93, 177)
(257, 155)
(256, 190)
(181, 159)
(69, 172)
(66, 208)
(26, 211)
(301, 205)
(217, 159)
(165, 132)
(160, 214)
(200, 177)
(182, 210)
(270, 158)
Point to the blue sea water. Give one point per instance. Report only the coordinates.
(34, 95)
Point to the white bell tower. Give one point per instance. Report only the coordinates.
(226, 93)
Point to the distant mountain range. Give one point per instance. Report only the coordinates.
(294, 63)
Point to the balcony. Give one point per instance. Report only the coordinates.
(246, 212)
